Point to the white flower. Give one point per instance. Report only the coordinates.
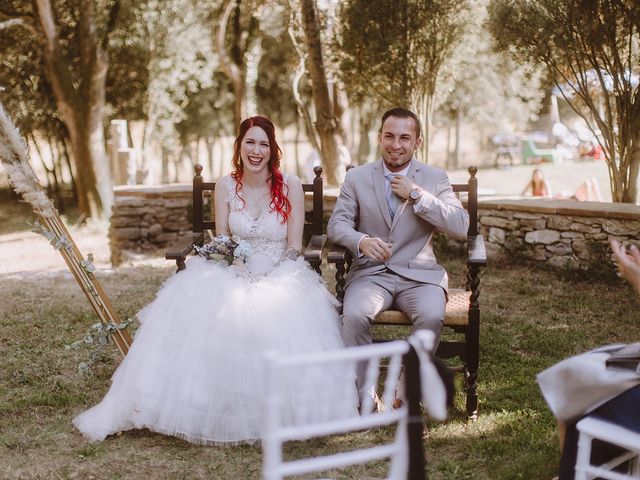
(242, 251)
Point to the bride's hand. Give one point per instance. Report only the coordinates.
(290, 253)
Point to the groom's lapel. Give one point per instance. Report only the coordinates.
(378, 188)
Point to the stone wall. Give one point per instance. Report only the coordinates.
(558, 233)
(148, 219)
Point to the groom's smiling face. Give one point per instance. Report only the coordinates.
(398, 141)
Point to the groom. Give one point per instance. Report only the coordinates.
(386, 215)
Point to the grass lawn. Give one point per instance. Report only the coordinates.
(531, 318)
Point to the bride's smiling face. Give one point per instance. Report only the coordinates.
(255, 150)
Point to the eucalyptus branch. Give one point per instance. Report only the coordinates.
(96, 338)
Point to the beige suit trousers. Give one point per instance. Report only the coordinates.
(367, 296)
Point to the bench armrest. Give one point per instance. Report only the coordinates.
(184, 246)
(338, 255)
(313, 250)
(477, 252)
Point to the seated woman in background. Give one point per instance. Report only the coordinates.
(537, 186)
(588, 190)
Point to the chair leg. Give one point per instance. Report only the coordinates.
(316, 267)
(415, 423)
(583, 457)
(471, 389)
(471, 364)
(180, 263)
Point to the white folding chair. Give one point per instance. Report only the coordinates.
(591, 428)
(276, 434)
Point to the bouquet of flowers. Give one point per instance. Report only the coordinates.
(225, 249)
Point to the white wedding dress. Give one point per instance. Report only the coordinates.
(196, 367)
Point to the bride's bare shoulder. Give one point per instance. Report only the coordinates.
(292, 181)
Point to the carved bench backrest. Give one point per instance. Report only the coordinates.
(203, 190)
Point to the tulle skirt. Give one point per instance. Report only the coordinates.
(196, 367)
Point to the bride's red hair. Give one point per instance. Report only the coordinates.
(279, 201)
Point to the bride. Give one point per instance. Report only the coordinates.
(195, 369)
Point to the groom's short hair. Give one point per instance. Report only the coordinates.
(402, 113)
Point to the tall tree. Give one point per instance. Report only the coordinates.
(396, 50)
(592, 50)
(327, 122)
(75, 41)
(235, 38)
(180, 62)
(29, 101)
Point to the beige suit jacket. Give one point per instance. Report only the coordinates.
(361, 209)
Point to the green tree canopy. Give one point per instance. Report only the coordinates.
(592, 50)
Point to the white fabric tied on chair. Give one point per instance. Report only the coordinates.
(342, 362)
(434, 392)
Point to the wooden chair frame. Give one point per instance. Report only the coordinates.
(313, 226)
(463, 309)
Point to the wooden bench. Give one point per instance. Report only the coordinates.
(462, 315)
(203, 219)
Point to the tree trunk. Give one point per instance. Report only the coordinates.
(364, 145)
(448, 160)
(326, 121)
(426, 111)
(210, 141)
(81, 105)
(457, 155)
(234, 70)
(630, 195)
(253, 63)
(67, 160)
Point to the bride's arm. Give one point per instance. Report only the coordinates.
(295, 224)
(221, 208)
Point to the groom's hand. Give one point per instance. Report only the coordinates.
(375, 248)
(401, 186)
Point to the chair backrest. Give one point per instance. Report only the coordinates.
(398, 451)
(203, 220)
(591, 428)
(471, 189)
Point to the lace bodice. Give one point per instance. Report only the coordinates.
(266, 234)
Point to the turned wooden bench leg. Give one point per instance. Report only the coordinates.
(472, 339)
(180, 263)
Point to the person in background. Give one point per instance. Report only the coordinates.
(538, 186)
(583, 385)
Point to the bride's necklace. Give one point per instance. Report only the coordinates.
(257, 196)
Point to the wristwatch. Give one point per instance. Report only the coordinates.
(415, 194)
